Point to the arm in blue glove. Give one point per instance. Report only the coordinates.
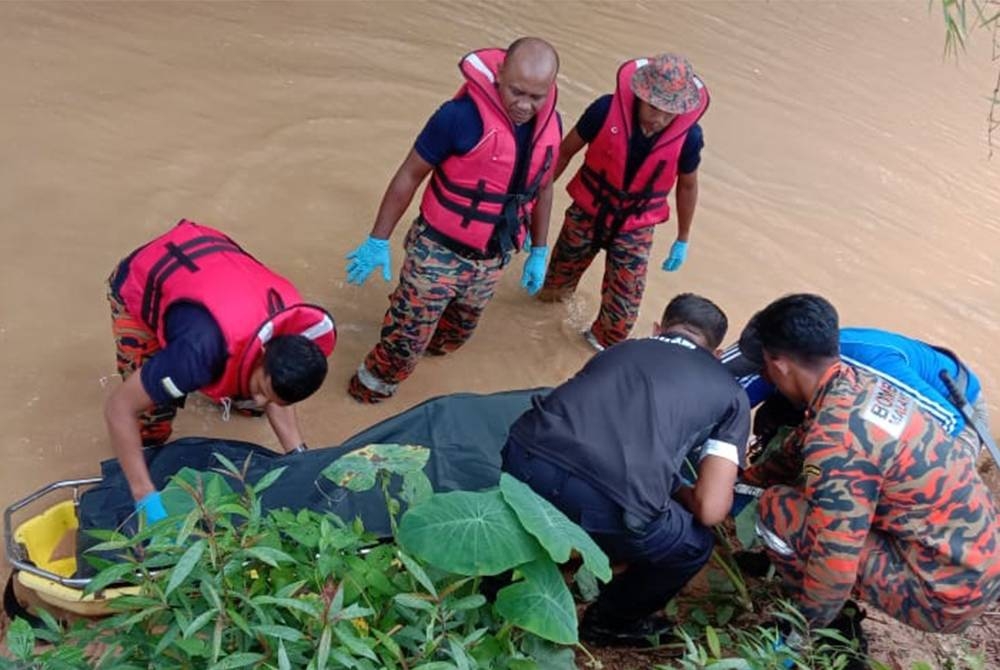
(678, 252)
(372, 253)
(150, 508)
(533, 275)
(686, 195)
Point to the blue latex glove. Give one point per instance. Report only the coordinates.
(150, 507)
(372, 253)
(533, 275)
(678, 253)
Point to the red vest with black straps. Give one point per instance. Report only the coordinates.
(599, 184)
(250, 303)
(469, 196)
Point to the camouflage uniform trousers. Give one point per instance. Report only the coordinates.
(435, 309)
(135, 344)
(624, 273)
(884, 578)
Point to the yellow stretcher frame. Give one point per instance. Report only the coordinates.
(30, 546)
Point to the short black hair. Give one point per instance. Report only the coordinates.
(296, 366)
(699, 313)
(803, 326)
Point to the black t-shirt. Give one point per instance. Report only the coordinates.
(628, 419)
(596, 114)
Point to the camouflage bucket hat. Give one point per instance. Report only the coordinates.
(667, 82)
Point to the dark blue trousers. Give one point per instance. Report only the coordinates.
(662, 554)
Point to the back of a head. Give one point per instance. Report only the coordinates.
(296, 366)
(802, 326)
(698, 313)
(534, 55)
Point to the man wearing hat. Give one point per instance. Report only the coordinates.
(640, 141)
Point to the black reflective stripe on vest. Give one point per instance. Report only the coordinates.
(511, 216)
(275, 303)
(175, 257)
(613, 206)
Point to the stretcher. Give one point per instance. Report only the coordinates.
(41, 551)
(465, 433)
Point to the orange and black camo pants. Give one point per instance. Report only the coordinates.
(884, 578)
(434, 309)
(624, 272)
(135, 344)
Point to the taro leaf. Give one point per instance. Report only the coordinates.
(416, 489)
(746, 522)
(548, 655)
(353, 472)
(356, 471)
(540, 603)
(556, 533)
(586, 584)
(469, 533)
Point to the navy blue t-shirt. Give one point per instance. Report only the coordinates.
(626, 421)
(195, 355)
(456, 128)
(639, 145)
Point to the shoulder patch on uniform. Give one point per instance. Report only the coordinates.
(889, 408)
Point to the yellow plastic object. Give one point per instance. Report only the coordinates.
(41, 536)
(71, 599)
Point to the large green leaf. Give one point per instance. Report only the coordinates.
(553, 530)
(470, 533)
(540, 603)
(548, 655)
(356, 471)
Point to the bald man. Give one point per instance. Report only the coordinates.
(491, 151)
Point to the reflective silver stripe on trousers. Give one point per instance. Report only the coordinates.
(772, 541)
(373, 383)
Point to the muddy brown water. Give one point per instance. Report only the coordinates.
(843, 156)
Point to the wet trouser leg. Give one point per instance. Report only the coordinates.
(884, 577)
(432, 278)
(462, 314)
(624, 283)
(572, 255)
(662, 554)
(136, 343)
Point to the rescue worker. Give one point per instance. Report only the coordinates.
(640, 141)
(910, 364)
(492, 149)
(607, 448)
(192, 311)
(875, 498)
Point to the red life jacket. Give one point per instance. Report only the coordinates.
(599, 185)
(250, 303)
(470, 197)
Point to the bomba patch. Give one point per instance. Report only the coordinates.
(889, 408)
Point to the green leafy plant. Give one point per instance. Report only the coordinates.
(223, 585)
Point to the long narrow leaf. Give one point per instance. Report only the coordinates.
(184, 566)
